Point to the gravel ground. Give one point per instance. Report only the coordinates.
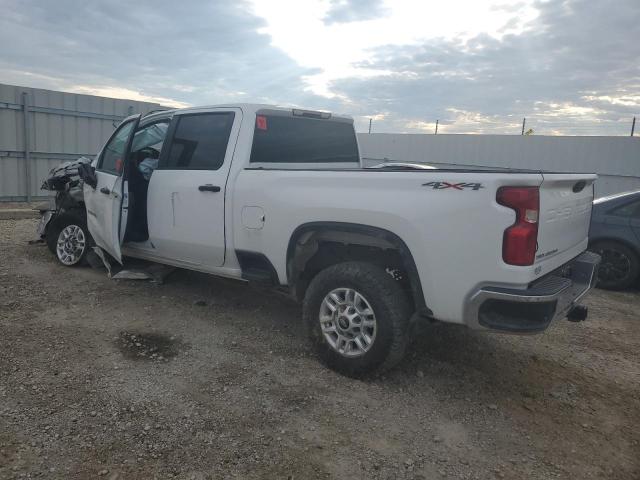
(208, 378)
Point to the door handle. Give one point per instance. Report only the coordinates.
(208, 188)
(105, 190)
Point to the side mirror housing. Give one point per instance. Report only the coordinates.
(88, 175)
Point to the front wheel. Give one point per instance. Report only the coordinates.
(357, 316)
(69, 240)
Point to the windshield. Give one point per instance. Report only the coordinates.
(615, 196)
(151, 136)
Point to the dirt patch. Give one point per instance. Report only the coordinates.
(148, 346)
(239, 394)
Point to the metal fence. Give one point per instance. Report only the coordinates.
(616, 160)
(533, 124)
(40, 129)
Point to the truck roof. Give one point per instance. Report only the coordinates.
(254, 108)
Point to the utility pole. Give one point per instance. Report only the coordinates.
(524, 121)
(436, 127)
(27, 140)
(633, 126)
(370, 124)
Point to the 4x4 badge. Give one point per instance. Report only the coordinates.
(455, 186)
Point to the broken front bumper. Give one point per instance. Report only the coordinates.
(533, 309)
(44, 221)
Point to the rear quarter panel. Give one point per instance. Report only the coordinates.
(455, 236)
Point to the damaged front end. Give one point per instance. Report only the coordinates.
(67, 185)
(63, 219)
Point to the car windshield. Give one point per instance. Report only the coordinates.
(149, 136)
(614, 197)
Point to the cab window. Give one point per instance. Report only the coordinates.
(280, 139)
(146, 147)
(111, 160)
(150, 137)
(198, 142)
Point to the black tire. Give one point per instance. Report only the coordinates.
(619, 266)
(389, 303)
(56, 228)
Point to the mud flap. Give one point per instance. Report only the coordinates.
(94, 260)
(104, 258)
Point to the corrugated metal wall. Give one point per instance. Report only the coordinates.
(60, 126)
(615, 159)
(64, 126)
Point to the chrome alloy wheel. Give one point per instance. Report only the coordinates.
(71, 245)
(348, 322)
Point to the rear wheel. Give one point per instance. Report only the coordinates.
(69, 240)
(619, 265)
(357, 316)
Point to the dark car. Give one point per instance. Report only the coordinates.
(615, 236)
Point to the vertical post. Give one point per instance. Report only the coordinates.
(524, 121)
(370, 124)
(436, 127)
(27, 151)
(633, 126)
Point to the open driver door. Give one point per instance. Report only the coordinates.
(104, 189)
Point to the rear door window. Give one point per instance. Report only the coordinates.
(198, 141)
(283, 139)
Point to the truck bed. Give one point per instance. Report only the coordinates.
(449, 219)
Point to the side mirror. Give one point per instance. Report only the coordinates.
(88, 175)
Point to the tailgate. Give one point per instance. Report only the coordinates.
(565, 215)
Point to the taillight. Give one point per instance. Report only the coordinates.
(520, 240)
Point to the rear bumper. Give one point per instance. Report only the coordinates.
(532, 309)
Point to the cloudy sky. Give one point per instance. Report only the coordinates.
(570, 66)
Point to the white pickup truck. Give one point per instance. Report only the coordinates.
(279, 196)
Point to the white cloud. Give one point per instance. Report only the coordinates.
(627, 100)
(338, 50)
(568, 66)
(119, 92)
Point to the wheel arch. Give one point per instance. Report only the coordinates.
(75, 213)
(304, 241)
